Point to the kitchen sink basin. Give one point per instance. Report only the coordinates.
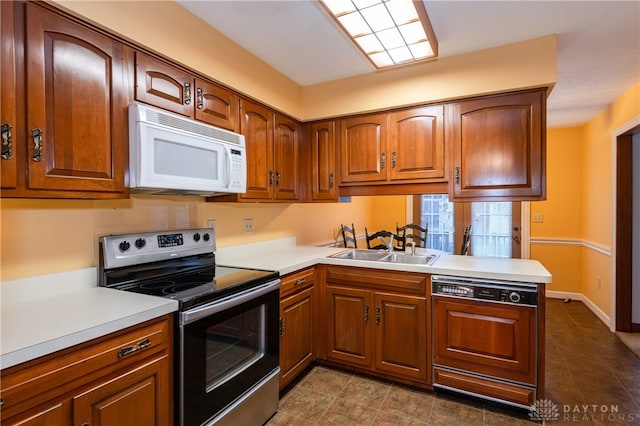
(408, 258)
(361, 255)
(384, 256)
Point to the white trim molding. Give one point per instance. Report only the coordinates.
(572, 242)
(584, 299)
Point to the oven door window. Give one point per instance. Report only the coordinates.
(234, 345)
(224, 355)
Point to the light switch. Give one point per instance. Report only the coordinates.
(538, 218)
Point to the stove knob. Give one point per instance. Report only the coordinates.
(140, 242)
(124, 246)
(206, 236)
(514, 297)
(196, 237)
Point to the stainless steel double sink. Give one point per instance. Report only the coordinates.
(385, 256)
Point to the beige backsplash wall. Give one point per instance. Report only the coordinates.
(48, 236)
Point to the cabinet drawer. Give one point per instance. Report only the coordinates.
(404, 282)
(517, 395)
(36, 381)
(297, 281)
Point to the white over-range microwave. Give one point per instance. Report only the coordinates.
(171, 154)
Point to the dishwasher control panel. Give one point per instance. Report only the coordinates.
(489, 290)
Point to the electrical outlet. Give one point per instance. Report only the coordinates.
(538, 218)
(248, 226)
(599, 283)
(211, 223)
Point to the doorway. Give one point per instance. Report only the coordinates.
(627, 231)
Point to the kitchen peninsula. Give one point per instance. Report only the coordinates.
(398, 291)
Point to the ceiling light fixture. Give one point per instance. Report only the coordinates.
(388, 32)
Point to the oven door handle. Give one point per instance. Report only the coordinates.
(231, 301)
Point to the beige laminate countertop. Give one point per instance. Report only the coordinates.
(284, 256)
(41, 315)
(44, 314)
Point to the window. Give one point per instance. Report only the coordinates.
(495, 226)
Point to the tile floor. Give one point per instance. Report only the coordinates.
(591, 376)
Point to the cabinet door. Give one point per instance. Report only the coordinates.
(296, 334)
(417, 144)
(485, 338)
(217, 106)
(257, 128)
(137, 397)
(498, 147)
(9, 173)
(285, 152)
(363, 148)
(349, 331)
(401, 335)
(54, 413)
(163, 85)
(323, 162)
(77, 106)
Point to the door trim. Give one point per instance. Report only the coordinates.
(616, 311)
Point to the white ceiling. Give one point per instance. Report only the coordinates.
(598, 42)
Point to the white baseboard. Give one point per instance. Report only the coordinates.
(584, 299)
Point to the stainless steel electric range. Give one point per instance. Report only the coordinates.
(227, 347)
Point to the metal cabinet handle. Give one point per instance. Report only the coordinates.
(7, 142)
(199, 98)
(37, 144)
(378, 315)
(277, 178)
(457, 175)
(383, 157)
(298, 282)
(394, 161)
(366, 313)
(187, 93)
(1, 401)
(281, 327)
(330, 180)
(131, 349)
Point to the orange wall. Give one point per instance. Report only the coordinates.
(597, 193)
(562, 218)
(47, 236)
(576, 235)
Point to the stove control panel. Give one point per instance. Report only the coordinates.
(131, 249)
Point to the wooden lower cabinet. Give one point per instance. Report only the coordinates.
(297, 324)
(96, 383)
(374, 322)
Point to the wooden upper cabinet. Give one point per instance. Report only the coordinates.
(169, 87)
(323, 161)
(163, 85)
(8, 116)
(217, 106)
(363, 148)
(257, 128)
(285, 156)
(272, 155)
(76, 94)
(498, 145)
(417, 144)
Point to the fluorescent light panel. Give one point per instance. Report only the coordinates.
(389, 32)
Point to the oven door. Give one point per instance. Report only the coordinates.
(227, 348)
